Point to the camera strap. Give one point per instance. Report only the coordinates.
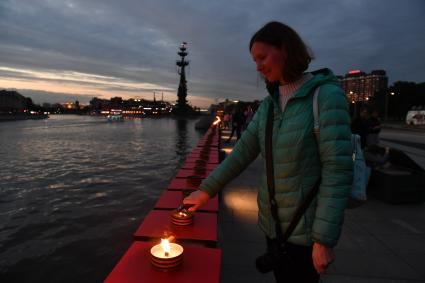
(280, 236)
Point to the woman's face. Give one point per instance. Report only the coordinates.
(269, 60)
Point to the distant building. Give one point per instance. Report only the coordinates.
(131, 106)
(99, 104)
(12, 101)
(359, 86)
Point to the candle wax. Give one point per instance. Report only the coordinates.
(175, 250)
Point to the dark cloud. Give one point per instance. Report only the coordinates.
(137, 40)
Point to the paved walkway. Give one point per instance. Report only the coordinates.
(401, 125)
(379, 243)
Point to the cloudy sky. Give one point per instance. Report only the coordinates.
(59, 50)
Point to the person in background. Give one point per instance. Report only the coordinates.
(238, 121)
(248, 113)
(226, 121)
(300, 159)
(361, 125)
(374, 124)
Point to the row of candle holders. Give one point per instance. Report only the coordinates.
(172, 252)
(168, 255)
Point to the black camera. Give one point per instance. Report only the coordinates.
(275, 257)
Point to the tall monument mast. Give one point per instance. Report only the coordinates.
(182, 108)
(182, 63)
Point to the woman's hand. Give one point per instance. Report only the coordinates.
(322, 257)
(197, 198)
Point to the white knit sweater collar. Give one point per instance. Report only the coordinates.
(290, 88)
(287, 91)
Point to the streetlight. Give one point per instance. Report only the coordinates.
(386, 104)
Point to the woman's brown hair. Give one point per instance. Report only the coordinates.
(280, 36)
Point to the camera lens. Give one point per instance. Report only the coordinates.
(264, 263)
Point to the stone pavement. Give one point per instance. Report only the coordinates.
(379, 243)
(401, 125)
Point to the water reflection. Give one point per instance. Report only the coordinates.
(73, 190)
(181, 137)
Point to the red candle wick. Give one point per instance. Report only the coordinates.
(166, 254)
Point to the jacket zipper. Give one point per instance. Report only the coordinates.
(281, 113)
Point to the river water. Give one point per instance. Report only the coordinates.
(73, 189)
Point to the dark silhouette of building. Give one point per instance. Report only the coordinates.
(12, 101)
(14, 106)
(130, 107)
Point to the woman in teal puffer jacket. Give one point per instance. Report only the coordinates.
(299, 157)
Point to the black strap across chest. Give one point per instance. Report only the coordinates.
(280, 236)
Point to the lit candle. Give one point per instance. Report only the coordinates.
(217, 120)
(166, 246)
(166, 255)
(181, 217)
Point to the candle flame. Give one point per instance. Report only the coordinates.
(165, 246)
(217, 120)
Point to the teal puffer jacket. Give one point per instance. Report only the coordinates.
(299, 160)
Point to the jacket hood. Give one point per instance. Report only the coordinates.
(320, 77)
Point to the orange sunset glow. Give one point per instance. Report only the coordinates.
(90, 85)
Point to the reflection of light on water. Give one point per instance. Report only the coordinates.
(99, 195)
(243, 204)
(57, 185)
(97, 180)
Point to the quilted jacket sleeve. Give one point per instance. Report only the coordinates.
(337, 165)
(245, 151)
